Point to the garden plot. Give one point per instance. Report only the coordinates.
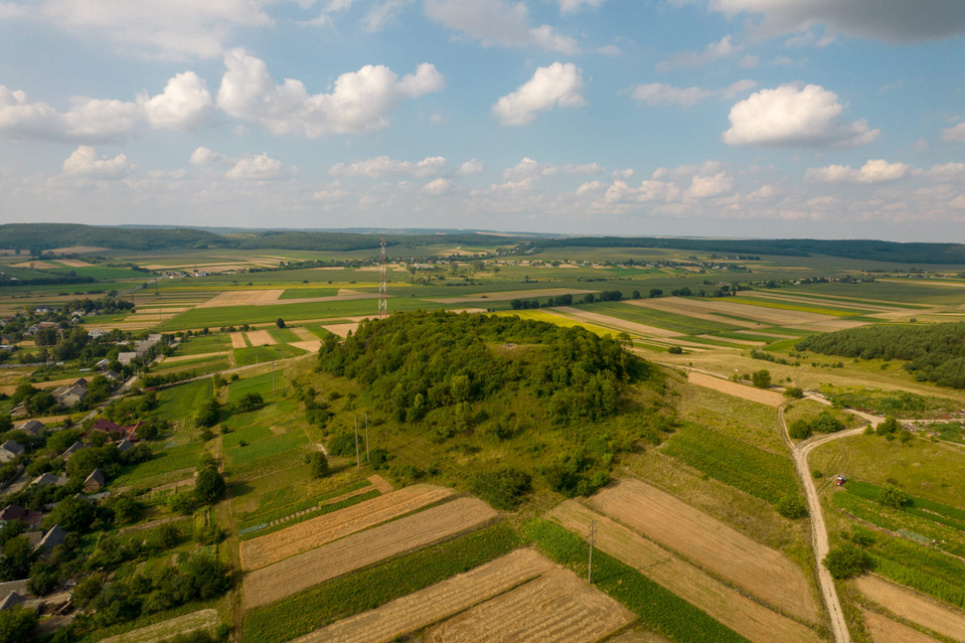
(305, 334)
(316, 532)
(261, 338)
(885, 630)
(364, 548)
(724, 604)
(425, 607)
(761, 396)
(615, 322)
(557, 606)
(710, 544)
(913, 607)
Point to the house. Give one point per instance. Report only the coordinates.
(94, 482)
(95, 333)
(71, 450)
(124, 445)
(69, 396)
(12, 599)
(9, 451)
(112, 375)
(126, 358)
(104, 364)
(48, 479)
(113, 430)
(8, 340)
(32, 427)
(16, 512)
(51, 539)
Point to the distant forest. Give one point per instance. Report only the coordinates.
(33, 238)
(934, 352)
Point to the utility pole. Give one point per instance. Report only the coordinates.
(589, 571)
(367, 437)
(358, 459)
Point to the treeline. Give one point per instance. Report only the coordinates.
(933, 352)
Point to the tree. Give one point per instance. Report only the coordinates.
(655, 292)
(318, 464)
(799, 429)
(761, 378)
(17, 558)
(889, 425)
(826, 423)
(87, 590)
(210, 486)
(280, 322)
(72, 514)
(635, 294)
(18, 624)
(794, 392)
(209, 413)
(6, 422)
(894, 497)
(792, 507)
(847, 561)
(502, 488)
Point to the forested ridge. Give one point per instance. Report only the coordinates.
(933, 352)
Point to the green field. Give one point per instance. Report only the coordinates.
(182, 401)
(283, 335)
(202, 344)
(167, 465)
(308, 293)
(262, 354)
(658, 318)
(267, 447)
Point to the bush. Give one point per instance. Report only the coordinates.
(280, 322)
(826, 423)
(848, 561)
(799, 430)
(209, 413)
(318, 464)
(675, 350)
(210, 486)
(761, 378)
(890, 425)
(18, 624)
(378, 458)
(894, 497)
(502, 488)
(792, 507)
(794, 392)
(342, 444)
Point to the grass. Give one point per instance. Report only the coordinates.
(248, 434)
(239, 456)
(164, 462)
(186, 364)
(261, 354)
(271, 509)
(320, 332)
(950, 431)
(658, 318)
(928, 571)
(901, 404)
(258, 384)
(284, 335)
(320, 511)
(308, 293)
(182, 401)
(752, 423)
(657, 608)
(369, 588)
(762, 474)
(921, 507)
(201, 344)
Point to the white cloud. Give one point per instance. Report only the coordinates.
(874, 171)
(437, 187)
(360, 101)
(529, 169)
(496, 22)
(384, 166)
(256, 168)
(587, 168)
(470, 167)
(750, 62)
(624, 174)
(792, 115)
(714, 52)
(648, 191)
(955, 134)
(958, 202)
(89, 120)
(559, 84)
(573, 6)
(174, 29)
(590, 186)
(947, 171)
(659, 94)
(889, 21)
(381, 13)
(204, 156)
(84, 162)
(705, 187)
(184, 104)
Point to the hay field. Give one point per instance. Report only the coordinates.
(691, 308)
(261, 338)
(304, 334)
(342, 330)
(557, 606)
(761, 396)
(243, 298)
(707, 542)
(913, 607)
(885, 630)
(425, 607)
(271, 548)
(358, 550)
(238, 340)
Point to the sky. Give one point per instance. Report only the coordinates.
(729, 118)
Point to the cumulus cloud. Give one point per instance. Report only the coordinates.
(621, 192)
(204, 156)
(573, 6)
(955, 134)
(947, 171)
(889, 21)
(496, 22)
(89, 120)
(624, 174)
(470, 167)
(360, 101)
(529, 169)
(874, 171)
(257, 168)
(184, 104)
(705, 187)
(659, 94)
(714, 52)
(809, 116)
(586, 168)
(590, 187)
(437, 187)
(84, 162)
(559, 84)
(384, 166)
(381, 13)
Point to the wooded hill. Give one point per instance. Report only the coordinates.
(933, 352)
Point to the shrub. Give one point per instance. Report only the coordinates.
(318, 464)
(799, 430)
(502, 488)
(792, 507)
(675, 350)
(378, 458)
(210, 486)
(342, 444)
(890, 425)
(826, 423)
(894, 497)
(847, 561)
(794, 392)
(761, 378)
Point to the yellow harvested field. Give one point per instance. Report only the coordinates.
(343, 295)
(512, 294)
(709, 543)
(425, 607)
(261, 338)
(725, 604)
(742, 342)
(358, 550)
(913, 606)
(761, 396)
(311, 347)
(200, 620)
(830, 325)
(342, 330)
(238, 340)
(885, 630)
(271, 548)
(822, 302)
(304, 334)
(380, 483)
(36, 265)
(169, 310)
(243, 298)
(690, 307)
(615, 322)
(557, 606)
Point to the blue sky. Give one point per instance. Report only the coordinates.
(753, 118)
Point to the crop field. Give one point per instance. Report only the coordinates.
(308, 293)
(201, 620)
(358, 550)
(920, 507)
(556, 318)
(885, 630)
(760, 396)
(167, 465)
(241, 455)
(266, 550)
(182, 401)
(709, 543)
(284, 335)
(750, 422)
(722, 602)
(555, 605)
(760, 473)
(260, 338)
(263, 354)
(909, 605)
(644, 311)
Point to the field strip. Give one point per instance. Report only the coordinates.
(885, 630)
(761, 396)
(759, 313)
(304, 333)
(689, 308)
(271, 548)
(913, 607)
(238, 340)
(557, 606)
(818, 302)
(342, 330)
(731, 340)
(616, 322)
(188, 358)
(243, 298)
(261, 338)
(364, 548)
(339, 297)
(724, 604)
(381, 484)
(830, 325)
(763, 334)
(203, 619)
(323, 503)
(311, 347)
(709, 543)
(508, 295)
(432, 604)
(923, 282)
